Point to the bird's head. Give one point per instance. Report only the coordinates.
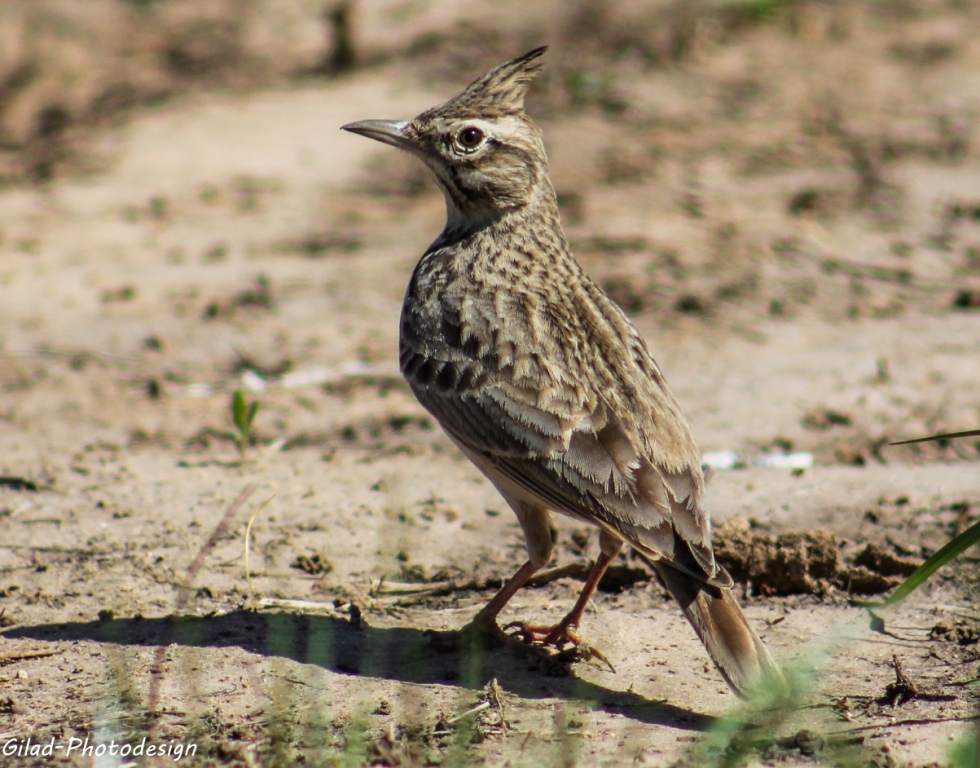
(487, 156)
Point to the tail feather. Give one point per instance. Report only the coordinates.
(733, 645)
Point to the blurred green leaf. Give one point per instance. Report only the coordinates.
(243, 414)
(966, 752)
(239, 411)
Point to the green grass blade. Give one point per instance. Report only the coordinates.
(950, 551)
(252, 410)
(947, 436)
(239, 411)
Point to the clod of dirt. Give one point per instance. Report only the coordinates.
(315, 565)
(805, 201)
(850, 456)
(860, 580)
(690, 304)
(270, 371)
(414, 574)
(204, 47)
(805, 743)
(258, 297)
(803, 561)
(18, 483)
(123, 293)
(316, 245)
(876, 570)
(966, 299)
(959, 632)
(880, 560)
(825, 419)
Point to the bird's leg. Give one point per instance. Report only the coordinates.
(563, 633)
(539, 536)
(483, 630)
(486, 619)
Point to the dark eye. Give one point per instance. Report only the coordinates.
(470, 137)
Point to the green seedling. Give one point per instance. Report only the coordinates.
(242, 414)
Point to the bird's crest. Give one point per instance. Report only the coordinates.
(499, 92)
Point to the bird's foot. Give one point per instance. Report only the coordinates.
(556, 635)
(561, 637)
(482, 632)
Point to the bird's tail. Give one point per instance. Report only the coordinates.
(732, 644)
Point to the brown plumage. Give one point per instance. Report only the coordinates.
(542, 381)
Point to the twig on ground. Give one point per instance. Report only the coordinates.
(10, 658)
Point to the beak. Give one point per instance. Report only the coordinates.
(386, 131)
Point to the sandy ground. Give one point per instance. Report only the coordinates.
(793, 218)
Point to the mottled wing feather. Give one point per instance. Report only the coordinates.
(585, 464)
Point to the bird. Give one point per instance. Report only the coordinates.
(544, 383)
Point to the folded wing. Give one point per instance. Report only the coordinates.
(571, 451)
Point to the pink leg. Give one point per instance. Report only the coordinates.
(575, 615)
(562, 633)
(488, 614)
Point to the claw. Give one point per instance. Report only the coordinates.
(558, 636)
(532, 634)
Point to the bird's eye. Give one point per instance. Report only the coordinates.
(470, 137)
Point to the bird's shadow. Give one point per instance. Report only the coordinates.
(357, 648)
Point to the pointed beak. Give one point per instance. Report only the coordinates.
(386, 131)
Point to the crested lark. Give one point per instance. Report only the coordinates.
(542, 381)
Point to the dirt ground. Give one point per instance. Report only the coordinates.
(784, 196)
